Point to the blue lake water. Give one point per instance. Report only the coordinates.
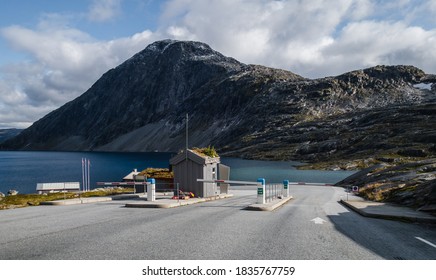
(23, 170)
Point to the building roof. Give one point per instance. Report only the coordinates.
(131, 174)
(195, 157)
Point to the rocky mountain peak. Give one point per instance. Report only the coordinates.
(181, 48)
(183, 52)
(393, 74)
(243, 110)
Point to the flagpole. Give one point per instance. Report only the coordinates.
(186, 148)
(89, 175)
(83, 175)
(86, 176)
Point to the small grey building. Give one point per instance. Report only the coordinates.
(190, 166)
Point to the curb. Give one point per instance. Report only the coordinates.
(174, 203)
(165, 205)
(87, 200)
(269, 206)
(411, 219)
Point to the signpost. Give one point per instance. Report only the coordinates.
(286, 188)
(151, 189)
(261, 191)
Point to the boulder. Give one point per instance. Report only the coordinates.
(12, 192)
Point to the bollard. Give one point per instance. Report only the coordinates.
(261, 191)
(286, 188)
(151, 189)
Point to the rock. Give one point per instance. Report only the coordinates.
(2, 195)
(428, 208)
(412, 153)
(12, 192)
(412, 184)
(387, 160)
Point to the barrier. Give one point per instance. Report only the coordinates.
(249, 183)
(151, 186)
(273, 191)
(264, 192)
(121, 183)
(260, 186)
(312, 184)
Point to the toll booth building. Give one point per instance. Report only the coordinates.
(190, 166)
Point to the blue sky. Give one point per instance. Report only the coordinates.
(52, 51)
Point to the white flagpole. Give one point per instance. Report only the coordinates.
(83, 175)
(89, 175)
(86, 175)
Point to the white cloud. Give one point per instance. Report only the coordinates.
(180, 33)
(361, 9)
(312, 38)
(104, 10)
(64, 63)
(281, 34)
(368, 43)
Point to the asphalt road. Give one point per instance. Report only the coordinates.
(312, 226)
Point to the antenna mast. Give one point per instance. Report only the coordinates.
(186, 150)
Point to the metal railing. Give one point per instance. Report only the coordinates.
(265, 193)
(274, 191)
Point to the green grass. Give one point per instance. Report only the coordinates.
(208, 151)
(24, 200)
(157, 173)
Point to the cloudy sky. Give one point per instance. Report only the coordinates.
(52, 51)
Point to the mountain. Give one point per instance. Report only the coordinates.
(249, 111)
(8, 133)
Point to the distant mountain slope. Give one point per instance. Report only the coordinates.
(8, 133)
(243, 110)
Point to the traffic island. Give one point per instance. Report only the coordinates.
(270, 206)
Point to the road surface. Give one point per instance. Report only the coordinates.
(312, 226)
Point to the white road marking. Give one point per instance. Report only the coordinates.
(425, 241)
(318, 220)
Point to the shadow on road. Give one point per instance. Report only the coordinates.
(391, 240)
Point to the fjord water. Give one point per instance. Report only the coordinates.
(23, 170)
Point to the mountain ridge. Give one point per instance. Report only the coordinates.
(8, 133)
(243, 110)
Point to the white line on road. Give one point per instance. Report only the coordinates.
(425, 241)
